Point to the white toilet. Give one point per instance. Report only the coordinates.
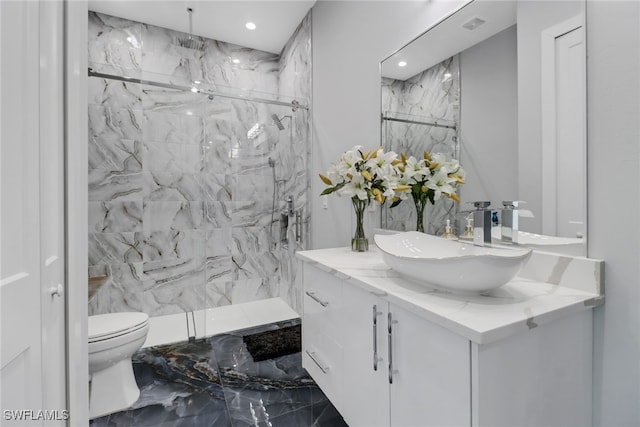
(113, 338)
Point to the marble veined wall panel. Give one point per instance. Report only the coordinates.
(430, 96)
(184, 208)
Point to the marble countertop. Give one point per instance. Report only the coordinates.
(522, 304)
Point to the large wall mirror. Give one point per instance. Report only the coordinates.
(500, 86)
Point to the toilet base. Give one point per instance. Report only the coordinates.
(112, 389)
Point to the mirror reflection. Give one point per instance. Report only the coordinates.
(500, 86)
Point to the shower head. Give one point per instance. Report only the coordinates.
(278, 121)
(190, 42)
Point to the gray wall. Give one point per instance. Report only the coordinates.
(346, 85)
(489, 120)
(613, 43)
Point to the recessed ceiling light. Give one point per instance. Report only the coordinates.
(402, 64)
(250, 26)
(235, 60)
(197, 82)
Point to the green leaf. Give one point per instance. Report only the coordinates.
(396, 203)
(332, 189)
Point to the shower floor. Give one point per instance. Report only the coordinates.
(250, 377)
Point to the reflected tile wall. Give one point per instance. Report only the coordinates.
(182, 214)
(430, 96)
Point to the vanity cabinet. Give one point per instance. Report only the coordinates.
(378, 364)
(383, 362)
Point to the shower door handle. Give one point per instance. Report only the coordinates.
(299, 226)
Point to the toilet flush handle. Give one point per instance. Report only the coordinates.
(56, 290)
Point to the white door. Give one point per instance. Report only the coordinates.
(31, 234)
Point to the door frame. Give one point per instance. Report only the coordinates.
(75, 28)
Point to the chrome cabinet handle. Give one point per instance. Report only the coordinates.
(312, 356)
(376, 359)
(313, 296)
(390, 338)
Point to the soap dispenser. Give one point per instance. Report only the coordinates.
(468, 230)
(448, 232)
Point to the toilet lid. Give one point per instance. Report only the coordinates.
(103, 326)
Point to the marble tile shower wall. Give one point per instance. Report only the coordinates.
(180, 201)
(430, 96)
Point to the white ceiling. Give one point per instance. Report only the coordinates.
(449, 37)
(216, 19)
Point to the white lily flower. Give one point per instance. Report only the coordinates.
(356, 187)
(440, 183)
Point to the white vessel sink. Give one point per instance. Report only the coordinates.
(451, 265)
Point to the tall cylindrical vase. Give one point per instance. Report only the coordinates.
(420, 201)
(359, 243)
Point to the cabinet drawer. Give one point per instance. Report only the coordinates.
(322, 358)
(322, 303)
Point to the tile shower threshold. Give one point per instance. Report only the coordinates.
(181, 327)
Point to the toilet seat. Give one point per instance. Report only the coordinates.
(112, 325)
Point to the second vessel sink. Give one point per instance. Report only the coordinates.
(450, 265)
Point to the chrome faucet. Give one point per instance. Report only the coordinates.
(509, 230)
(482, 224)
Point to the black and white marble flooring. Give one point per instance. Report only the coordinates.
(252, 377)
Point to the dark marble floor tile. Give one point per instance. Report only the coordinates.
(217, 382)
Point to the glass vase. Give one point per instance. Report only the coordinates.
(359, 243)
(420, 201)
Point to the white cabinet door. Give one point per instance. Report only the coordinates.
(321, 336)
(430, 381)
(366, 391)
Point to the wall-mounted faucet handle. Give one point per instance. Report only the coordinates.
(289, 209)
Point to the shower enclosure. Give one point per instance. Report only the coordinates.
(189, 178)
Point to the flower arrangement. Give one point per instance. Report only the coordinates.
(364, 176)
(428, 180)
